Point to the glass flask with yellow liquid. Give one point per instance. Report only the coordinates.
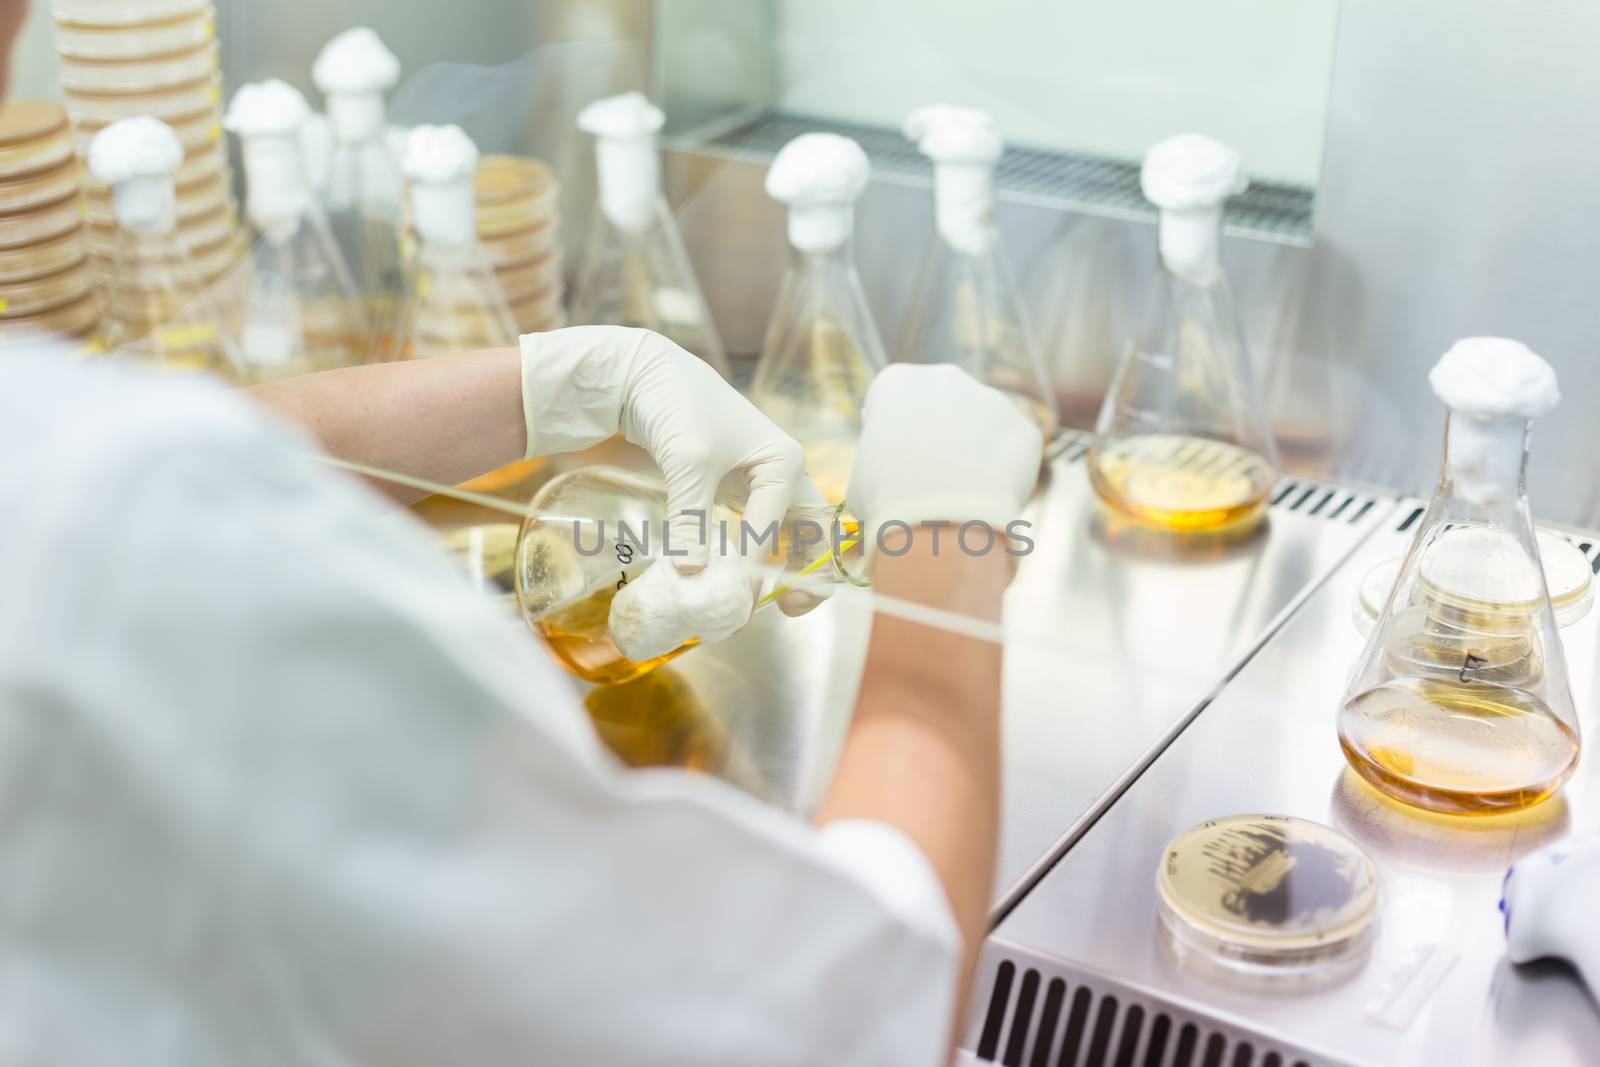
(822, 347)
(1460, 703)
(1182, 442)
(361, 196)
(592, 531)
(299, 310)
(453, 301)
(160, 311)
(635, 271)
(966, 309)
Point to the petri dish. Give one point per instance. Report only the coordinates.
(127, 13)
(197, 133)
(1505, 587)
(554, 322)
(74, 320)
(535, 314)
(41, 224)
(188, 104)
(33, 137)
(502, 179)
(525, 281)
(143, 74)
(176, 34)
(36, 295)
(46, 257)
(202, 231)
(28, 191)
(513, 193)
(1268, 896)
(521, 246)
(210, 262)
(194, 201)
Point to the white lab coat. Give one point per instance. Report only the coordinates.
(276, 789)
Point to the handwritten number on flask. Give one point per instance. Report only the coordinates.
(624, 557)
(1472, 663)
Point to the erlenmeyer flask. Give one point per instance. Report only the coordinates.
(453, 300)
(966, 308)
(299, 312)
(1182, 442)
(635, 271)
(822, 347)
(159, 311)
(1460, 702)
(362, 192)
(594, 530)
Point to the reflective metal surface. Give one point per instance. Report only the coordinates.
(1114, 638)
(1437, 988)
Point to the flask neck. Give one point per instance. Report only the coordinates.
(834, 259)
(275, 179)
(963, 197)
(821, 230)
(629, 171)
(1191, 244)
(1486, 458)
(445, 213)
(147, 206)
(356, 117)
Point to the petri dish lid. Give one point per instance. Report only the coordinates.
(202, 231)
(23, 298)
(194, 201)
(1267, 894)
(511, 179)
(123, 12)
(1465, 564)
(33, 137)
(28, 191)
(194, 103)
(527, 281)
(74, 320)
(521, 246)
(141, 74)
(46, 257)
(76, 41)
(41, 224)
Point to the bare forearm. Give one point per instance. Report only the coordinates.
(923, 752)
(442, 420)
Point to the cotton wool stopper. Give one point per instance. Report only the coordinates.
(138, 158)
(1494, 388)
(820, 176)
(353, 71)
(439, 162)
(1190, 177)
(627, 162)
(964, 145)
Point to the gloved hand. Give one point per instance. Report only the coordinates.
(938, 445)
(582, 384)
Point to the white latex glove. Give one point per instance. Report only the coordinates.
(583, 384)
(937, 445)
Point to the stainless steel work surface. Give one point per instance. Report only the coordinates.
(1437, 988)
(1114, 638)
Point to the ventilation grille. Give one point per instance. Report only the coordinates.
(1266, 210)
(1317, 501)
(1045, 1015)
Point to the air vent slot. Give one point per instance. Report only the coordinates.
(1070, 447)
(1319, 501)
(1046, 1013)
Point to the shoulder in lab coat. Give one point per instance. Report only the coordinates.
(275, 789)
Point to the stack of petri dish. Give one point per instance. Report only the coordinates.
(124, 58)
(519, 225)
(46, 280)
